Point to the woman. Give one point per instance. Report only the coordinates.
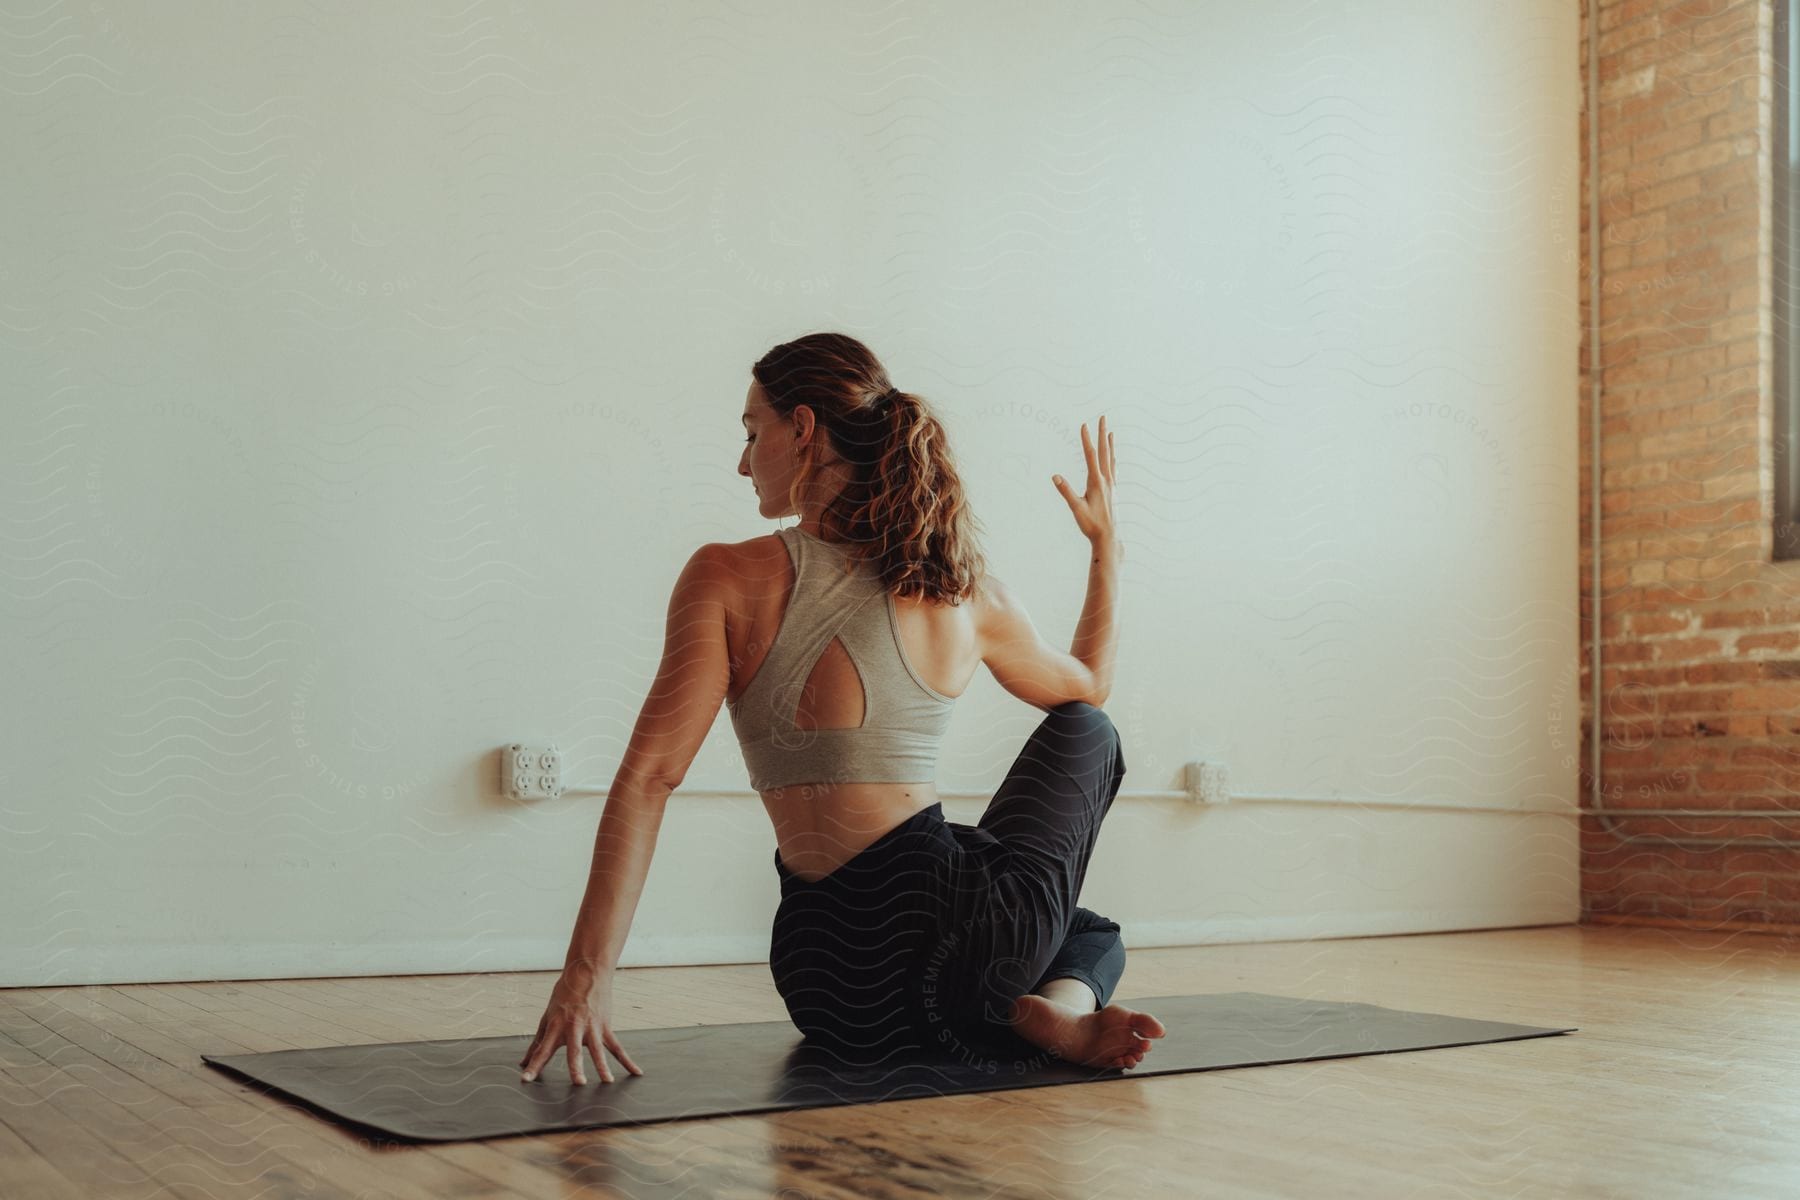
(840, 645)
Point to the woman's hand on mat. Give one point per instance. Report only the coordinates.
(579, 1017)
(1094, 509)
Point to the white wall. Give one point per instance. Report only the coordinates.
(370, 375)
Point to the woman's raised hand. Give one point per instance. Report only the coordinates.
(1093, 510)
(579, 1016)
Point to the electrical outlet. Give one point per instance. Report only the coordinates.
(1207, 783)
(531, 772)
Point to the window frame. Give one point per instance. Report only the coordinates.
(1785, 161)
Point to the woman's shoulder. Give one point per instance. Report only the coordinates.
(754, 560)
(762, 546)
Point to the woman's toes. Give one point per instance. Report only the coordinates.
(1145, 1025)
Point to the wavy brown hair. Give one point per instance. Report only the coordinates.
(904, 509)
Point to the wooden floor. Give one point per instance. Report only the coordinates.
(1684, 1080)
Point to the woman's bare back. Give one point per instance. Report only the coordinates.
(821, 825)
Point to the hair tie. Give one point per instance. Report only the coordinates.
(888, 397)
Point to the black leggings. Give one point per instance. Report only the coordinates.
(925, 937)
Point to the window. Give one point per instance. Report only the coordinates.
(1786, 289)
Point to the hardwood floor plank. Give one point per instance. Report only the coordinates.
(235, 1136)
(26, 1172)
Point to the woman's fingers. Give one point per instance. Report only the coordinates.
(1096, 499)
(535, 1039)
(540, 1050)
(592, 1041)
(1062, 485)
(612, 1040)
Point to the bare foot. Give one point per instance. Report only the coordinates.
(1115, 1036)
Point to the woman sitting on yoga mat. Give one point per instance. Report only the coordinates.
(839, 646)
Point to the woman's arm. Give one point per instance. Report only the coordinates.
(579, 1013)
(684, 701)
(623, 847)
(1096, 632)
(679, 712)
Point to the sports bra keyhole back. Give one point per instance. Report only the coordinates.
(904, 718)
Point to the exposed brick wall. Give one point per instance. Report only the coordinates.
(1700, 675)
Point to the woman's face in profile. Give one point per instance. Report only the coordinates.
(767, 458)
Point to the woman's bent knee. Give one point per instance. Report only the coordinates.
(1078, 712)
(1074, 708)
(1077, 716)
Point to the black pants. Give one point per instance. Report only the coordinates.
(924, 939)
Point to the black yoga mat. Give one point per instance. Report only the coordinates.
(470, 1088)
